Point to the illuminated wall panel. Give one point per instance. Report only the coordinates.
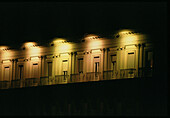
(122, 59)
(20, 73)
(35, 72)
(131, 60)
(65, 65)
(49, 68)
(80, 65)
(27, 69)
(6, 73)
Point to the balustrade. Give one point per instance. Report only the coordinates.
(73, 78)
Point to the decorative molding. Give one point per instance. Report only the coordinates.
(130, 46)
(75, 53)
(138, 45)
(63, 54)
(87, 53)
(112, 49)
(26, 60)
(90, 51)
(96, 51)
(49, 56)
(81, 53)
(21, 59)
(34, 58)
(143, 44)
(121, 48)
(6, 61)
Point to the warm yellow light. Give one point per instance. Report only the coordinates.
(125, 31)
(61, 45)
(59, 40)
(130, 39)
(30, 44)
(92, 41)
(6, 61)
(127, 37)
(64, 47)
(3, 47)
(34, 58)
(90, 37)
(32, 49)
(95, 51)
(94, 44)
(5, 52)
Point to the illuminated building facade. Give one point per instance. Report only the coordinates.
(128, 55)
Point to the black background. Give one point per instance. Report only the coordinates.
(42, 21)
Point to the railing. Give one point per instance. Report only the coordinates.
(73, 78)
(16, 83)
(90, 76)
(44, 81)
(4, 84)
(77, 78)
(47, 80)
(93, 76)
(61, 79)
(128, 73)
(145, 72)
(51, 80)
(108, 75)
(29, 82)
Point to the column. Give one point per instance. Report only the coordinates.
(102, 63)
(85, 63)
(106, 59)
(40, 66)
(53, 66)
(143, 63)
(14, 69)
(118, 62)
(70, 66)
(57, 64)
(143, 45)
(72, 62)
(138, 60)
(75, 53)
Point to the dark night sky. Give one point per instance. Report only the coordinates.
(42, 21)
